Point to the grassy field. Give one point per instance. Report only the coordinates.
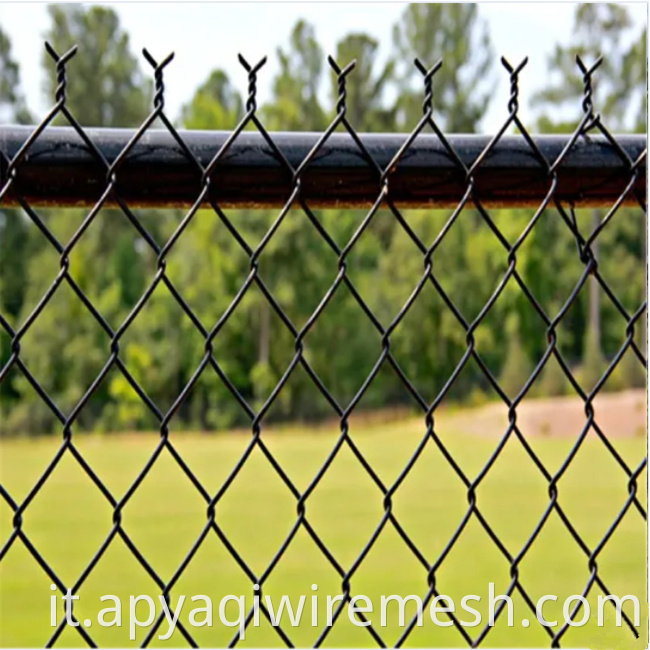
(69, 519)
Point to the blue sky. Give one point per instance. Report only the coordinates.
(209, 35)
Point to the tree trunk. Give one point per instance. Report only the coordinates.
(594, 293)
(265, 332)
(644, 318)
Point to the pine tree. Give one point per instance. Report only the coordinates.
(463, 86)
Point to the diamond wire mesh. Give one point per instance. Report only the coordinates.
(550, 170)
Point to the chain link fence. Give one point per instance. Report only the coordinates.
(46, 167)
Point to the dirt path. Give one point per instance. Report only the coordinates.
(617, 414)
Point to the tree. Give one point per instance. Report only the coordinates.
(620, 85)
(208, 267)
(105, 88)
(620, 97)
(12, 103)
(295, 103)
(105, 84)
(366, 87)
(215, 105)
(15, 239)
(13, 227)
(463, 86)
(517, 368)
(632, 82)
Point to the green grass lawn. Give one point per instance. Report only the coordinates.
(69, 519)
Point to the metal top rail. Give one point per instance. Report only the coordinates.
(59, 169)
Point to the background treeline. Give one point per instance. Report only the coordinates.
(66, 348)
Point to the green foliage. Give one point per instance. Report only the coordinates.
(620, 97)
(107, 87)
(620, 83)
(15, 242)
(463, 86)
(366, 108)
(163, 348)
(12, 103)
(593, 362)
(552, 381)
(215, 105)
(629, 372)
(296, 106)
(517, 368)
(14, 238)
